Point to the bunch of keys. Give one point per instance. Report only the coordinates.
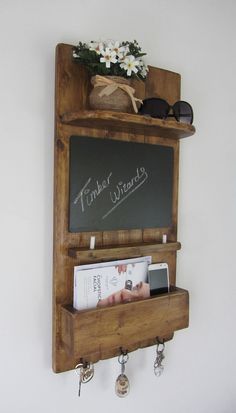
(122, 386)
(158, 367)
(85, 371)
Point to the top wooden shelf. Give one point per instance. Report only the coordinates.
(127, 122)
(73, 85)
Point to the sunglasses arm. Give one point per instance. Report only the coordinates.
(171, 115)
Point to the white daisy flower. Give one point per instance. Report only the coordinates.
(75, 54)
(143, 69)
(113, 46)
(130, 65)
(122, 52)
(108, 57)
(96, 46)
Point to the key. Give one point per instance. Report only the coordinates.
(122, 385)
(158, 367)
(80, 382)
(85, 373)
(78, 370)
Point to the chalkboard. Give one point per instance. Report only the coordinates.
(119, 185)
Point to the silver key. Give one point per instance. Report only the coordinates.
(158, 367)
(85, 373)
(78, 370)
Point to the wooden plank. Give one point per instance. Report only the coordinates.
(84, 255)
(91, 334)
(122, 237)
(164, 84)
(72, 83)
(127, 122)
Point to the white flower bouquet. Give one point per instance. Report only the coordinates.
(112, 58)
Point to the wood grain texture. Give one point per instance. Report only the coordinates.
(72, 83)
(124, 122)
(84, 255)
(71, 98)
(164, 84)
(108, 329)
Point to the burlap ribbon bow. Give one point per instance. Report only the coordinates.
(111, 86)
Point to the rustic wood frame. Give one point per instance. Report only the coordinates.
(73, 331)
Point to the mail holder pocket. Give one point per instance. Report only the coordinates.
(100, 333)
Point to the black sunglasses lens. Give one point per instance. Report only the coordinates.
(155, 107)
(183, 112)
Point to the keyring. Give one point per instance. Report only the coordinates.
(123, 357)
(158, 350)
(160, 343)
(77, 367)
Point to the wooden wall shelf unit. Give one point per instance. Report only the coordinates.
(99, 333)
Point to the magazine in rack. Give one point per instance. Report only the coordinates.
(94, 283)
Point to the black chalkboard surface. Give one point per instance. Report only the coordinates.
(119, 185)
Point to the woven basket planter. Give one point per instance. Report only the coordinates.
(118, 100)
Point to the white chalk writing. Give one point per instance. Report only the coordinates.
(86, 196)
(118, 193)
(125, 189)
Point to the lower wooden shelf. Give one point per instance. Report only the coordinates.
(106, 253)
(100, 333)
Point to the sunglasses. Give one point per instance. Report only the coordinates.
(160, 108)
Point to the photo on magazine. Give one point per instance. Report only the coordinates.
(105, 284)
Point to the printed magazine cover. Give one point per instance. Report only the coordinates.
(96, 282)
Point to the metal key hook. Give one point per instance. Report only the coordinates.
(85, 372)
(78, 367)
(81, 364)
(123, 357)
(160, 345)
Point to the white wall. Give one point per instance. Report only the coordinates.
(196, 39)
